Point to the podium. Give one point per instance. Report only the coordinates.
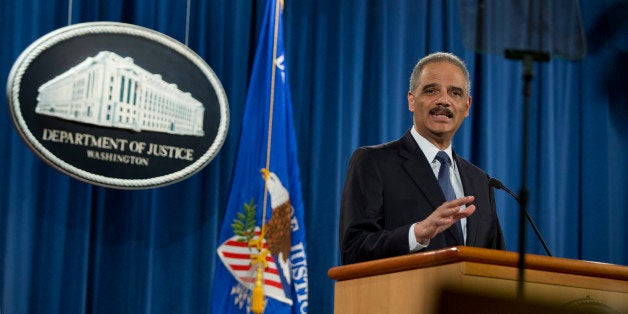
(414, 283)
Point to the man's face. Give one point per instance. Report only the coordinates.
(440, 102)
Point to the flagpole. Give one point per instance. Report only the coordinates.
(257, 305)
(270, 113)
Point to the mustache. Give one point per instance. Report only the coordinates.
(442, 111)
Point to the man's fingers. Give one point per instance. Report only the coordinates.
(460, 201)
(453, 207)
(444, 216)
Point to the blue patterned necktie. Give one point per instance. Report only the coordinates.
(445, 184)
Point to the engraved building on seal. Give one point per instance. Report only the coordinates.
(111, 91)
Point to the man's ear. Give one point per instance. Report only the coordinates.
(468, 107)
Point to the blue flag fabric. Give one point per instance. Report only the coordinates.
(285, 279)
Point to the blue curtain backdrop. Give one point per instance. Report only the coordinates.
(69, 247)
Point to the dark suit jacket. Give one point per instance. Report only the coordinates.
(391, 186)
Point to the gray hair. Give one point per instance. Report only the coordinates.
(439, 57)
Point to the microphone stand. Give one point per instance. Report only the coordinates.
(528, 56)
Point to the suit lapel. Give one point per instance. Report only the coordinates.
(468, 186)
(418, 168)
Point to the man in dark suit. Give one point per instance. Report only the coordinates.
(394, 199)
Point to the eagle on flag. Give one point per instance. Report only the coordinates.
(278, 226)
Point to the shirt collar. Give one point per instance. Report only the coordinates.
(429, 150)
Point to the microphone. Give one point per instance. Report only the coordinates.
(498, 185)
